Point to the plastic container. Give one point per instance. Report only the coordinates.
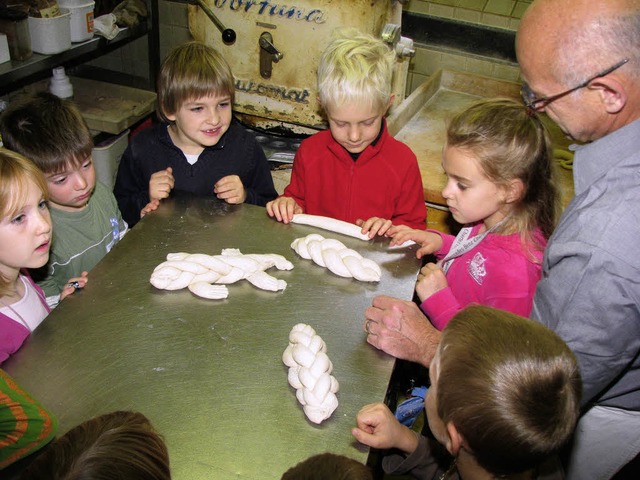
(60, 85)
(106, 158)
(13, 23)
(4, 49)
(81, 18)
(51, 35)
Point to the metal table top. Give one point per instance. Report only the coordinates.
(208, 373)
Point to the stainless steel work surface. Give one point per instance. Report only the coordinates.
(209, 373)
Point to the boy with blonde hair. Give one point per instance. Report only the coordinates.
(355, 171)
(198, 147)
(87, 224)
(504, 398)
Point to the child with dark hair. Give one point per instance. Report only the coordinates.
(504, 398)
(328, 466)
(118, 445)
(87, 224)
(198, 147)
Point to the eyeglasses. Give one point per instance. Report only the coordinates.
(534, 103)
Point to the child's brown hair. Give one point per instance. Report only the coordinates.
(192, 70)
(511, 142)
(510, 385)
(115, 445)
(48, 130)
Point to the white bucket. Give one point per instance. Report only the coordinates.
(50, 35)
(81, 18)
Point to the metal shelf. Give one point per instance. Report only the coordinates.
(14, 75)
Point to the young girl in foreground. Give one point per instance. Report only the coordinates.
(498, 160)
(504, 397)
(25, 236)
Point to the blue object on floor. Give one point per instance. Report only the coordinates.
(408, 411)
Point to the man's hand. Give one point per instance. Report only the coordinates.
(399, 328)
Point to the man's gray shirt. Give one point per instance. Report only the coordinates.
(590, 290)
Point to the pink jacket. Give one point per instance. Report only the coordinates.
(499, 272)
(384, 182)
(12, 333)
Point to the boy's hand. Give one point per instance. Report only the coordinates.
(374, 226)
(74, 284)
(150, 207)
(161, 183)
(230, 189)
(283, 208)
(429, 242)
(431, 279)
(378, 428)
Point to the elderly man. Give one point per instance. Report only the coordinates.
(580, 61)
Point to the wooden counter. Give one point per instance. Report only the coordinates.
(207, 373)
(421, 118)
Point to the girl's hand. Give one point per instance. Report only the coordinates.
(74, 284)
(230, 189)
(378, 428)
(283, 208)
(431, 279)
(160, 184)
(374, 226)
(429, 242)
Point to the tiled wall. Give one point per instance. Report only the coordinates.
(133, 58)
(503, 14)
(494, 13)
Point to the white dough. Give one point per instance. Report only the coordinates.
(334, 255)
(198, 272)
(310, 373)
(331, 224)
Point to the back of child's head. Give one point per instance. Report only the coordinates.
(510, 386)
(48, 130)
(190, 71)
(115, 446)
(16, 172)
(511, 143)
(355, 68)
(328, 466)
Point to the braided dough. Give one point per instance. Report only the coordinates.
(334, 255)
(198, 272)
(310, 373)
(331, 224)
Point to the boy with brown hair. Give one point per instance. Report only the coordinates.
(504, 398)
(198, 147)
(87, 224)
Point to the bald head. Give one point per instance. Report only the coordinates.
(581, 37)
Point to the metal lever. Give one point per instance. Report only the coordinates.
(228, 35)
(268, 54)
